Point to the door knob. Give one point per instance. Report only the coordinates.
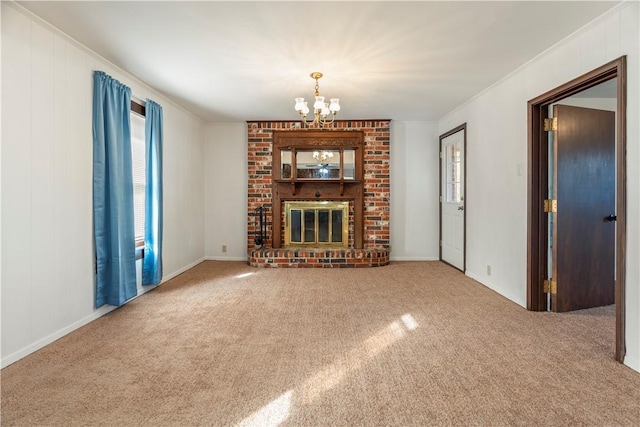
(460, 208)
(611, 218)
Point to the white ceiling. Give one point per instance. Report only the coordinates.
(237, 61)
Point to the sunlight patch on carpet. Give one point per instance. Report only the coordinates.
(409, 322)
(272, 414)
(334, 373)
(278, 410)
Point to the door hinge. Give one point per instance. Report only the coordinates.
(550, 206)
(550, 287)
(441, 154)
(551, 124)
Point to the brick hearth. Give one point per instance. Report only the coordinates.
(321, 258)
(375, 250)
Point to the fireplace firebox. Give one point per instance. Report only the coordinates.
(316, 224)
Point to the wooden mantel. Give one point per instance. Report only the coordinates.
(293, 188)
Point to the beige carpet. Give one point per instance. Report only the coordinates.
(414, 343)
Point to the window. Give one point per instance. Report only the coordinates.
(453, 183)
(138, 160)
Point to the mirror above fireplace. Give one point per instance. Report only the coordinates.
(317, 164)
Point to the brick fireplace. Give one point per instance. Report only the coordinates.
(368, 195)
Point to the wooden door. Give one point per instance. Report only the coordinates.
(584, 225)
(452, 216)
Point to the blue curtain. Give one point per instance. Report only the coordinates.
(113, 213)
(152, 262)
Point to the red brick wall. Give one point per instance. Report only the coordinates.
(376, 177)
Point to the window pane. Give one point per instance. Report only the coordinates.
(309, 226)
(349, 164)
(456, 152)
(320, 164)
(296, 226)
(336, 226)
(138, 160)
(453, 192)
(285, 164)
(453, 173)
(323, 226)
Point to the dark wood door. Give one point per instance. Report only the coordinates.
(584, 225)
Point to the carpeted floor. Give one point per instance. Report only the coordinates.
(413, 343)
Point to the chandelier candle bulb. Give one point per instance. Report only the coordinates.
(321, 110)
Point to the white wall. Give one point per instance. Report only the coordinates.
(497, 148)
(414, 191)
(183, 197)
(225, 177)
(47, 241)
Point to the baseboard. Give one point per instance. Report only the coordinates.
(14, 357)
(412, 258)
(490, 285)
(182, 270)
(226, 258)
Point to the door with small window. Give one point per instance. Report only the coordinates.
(452, 196)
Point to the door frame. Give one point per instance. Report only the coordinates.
(462, 127)
(538, 162)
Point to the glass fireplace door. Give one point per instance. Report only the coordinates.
(316, 224)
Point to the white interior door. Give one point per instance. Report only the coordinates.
(452, 229)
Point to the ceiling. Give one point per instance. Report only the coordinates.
(238, 61)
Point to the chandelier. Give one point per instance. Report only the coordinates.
(324, 113)
(322, 157)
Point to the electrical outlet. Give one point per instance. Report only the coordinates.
(488, 270)
(224, 248)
